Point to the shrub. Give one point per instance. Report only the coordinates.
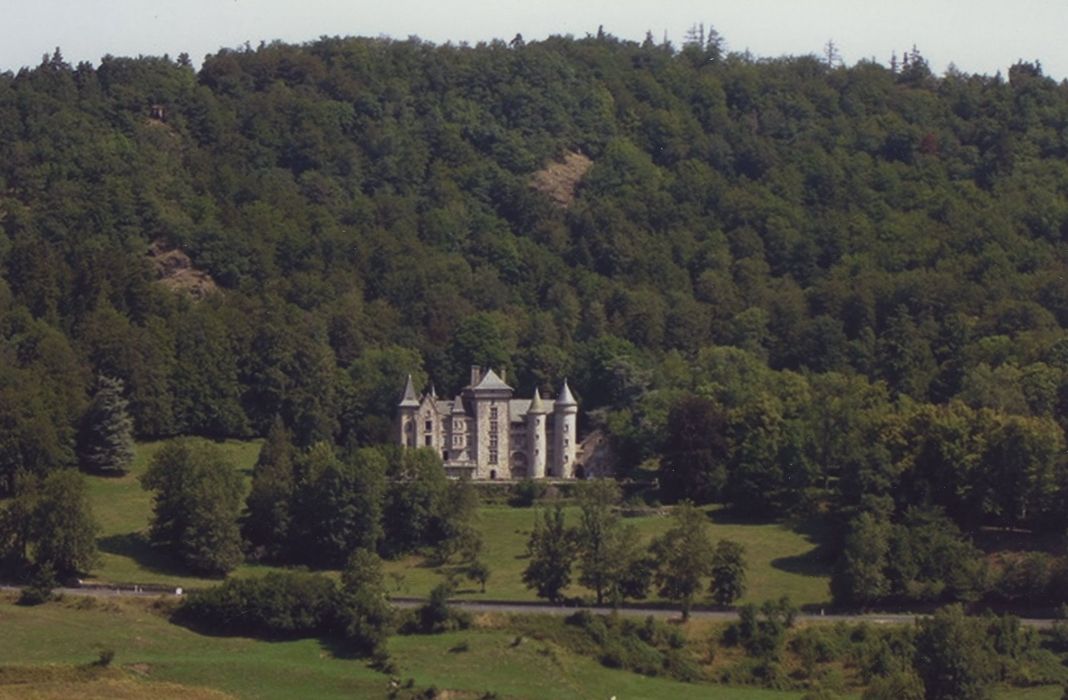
(275, 605)
(40, 587)
(437, 616)
(526, 493)
(104, 658)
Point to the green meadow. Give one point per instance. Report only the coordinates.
(122, 509)
(150, 649)
(47, 651)
(781, 561)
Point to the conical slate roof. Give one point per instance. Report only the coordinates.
(565, 398)
(409, 399)
(536, 404)
(458, 405)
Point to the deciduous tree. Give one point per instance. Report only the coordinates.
(552, 551)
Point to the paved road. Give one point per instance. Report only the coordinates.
(546, 609)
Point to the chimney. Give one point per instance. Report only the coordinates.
(504, 375)
(476, 374)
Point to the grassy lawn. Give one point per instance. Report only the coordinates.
(489, 662)
(149, 648)
(122, 508)
(44, 650)
(781, 561)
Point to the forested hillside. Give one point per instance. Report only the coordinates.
(803, 286)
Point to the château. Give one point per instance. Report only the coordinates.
(486, 433)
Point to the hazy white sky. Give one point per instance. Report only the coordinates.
(979, 36)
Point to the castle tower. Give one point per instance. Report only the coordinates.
(536, 439)
(408, 411)
(565, 433)
(458, 432)
(489, 398)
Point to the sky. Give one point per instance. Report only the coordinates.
(977, 36)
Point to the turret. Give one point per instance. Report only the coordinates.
(408, 413)
(565, 433)
(536, 438)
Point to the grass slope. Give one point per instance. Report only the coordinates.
(123, 508)
(75, 630)
(781, 561)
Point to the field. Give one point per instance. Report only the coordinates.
(47, 651)
(148, 648)
(122, 509)
(781, 561)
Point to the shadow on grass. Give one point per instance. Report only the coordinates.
(137, 547)
(817, 561)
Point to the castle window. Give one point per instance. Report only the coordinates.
(444, 455)
(493, 413)
(567, 428)
(429, 425)
(428, 438)
(492, 456)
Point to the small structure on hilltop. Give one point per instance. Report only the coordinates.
(485, 433)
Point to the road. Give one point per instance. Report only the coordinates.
(547, 609)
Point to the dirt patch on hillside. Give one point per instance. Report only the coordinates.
(560, 178)
(176, 271)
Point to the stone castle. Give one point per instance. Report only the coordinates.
(485, 433)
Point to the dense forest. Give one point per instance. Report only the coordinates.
(795, 286)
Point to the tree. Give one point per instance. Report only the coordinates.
(269, 503)
(552, 551)
(337, 505)
(728, 572)
(479, 572)
(365, 617)
(415, 500)
(860, 575)
(682, 556)
(694, 463)
(951, 657)
(49, 525)
(457, 523)
(596, 534)
(195, 506)
(105, 442)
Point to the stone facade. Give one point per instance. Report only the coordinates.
(486, 433)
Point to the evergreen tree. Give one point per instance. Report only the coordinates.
(105, 443)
